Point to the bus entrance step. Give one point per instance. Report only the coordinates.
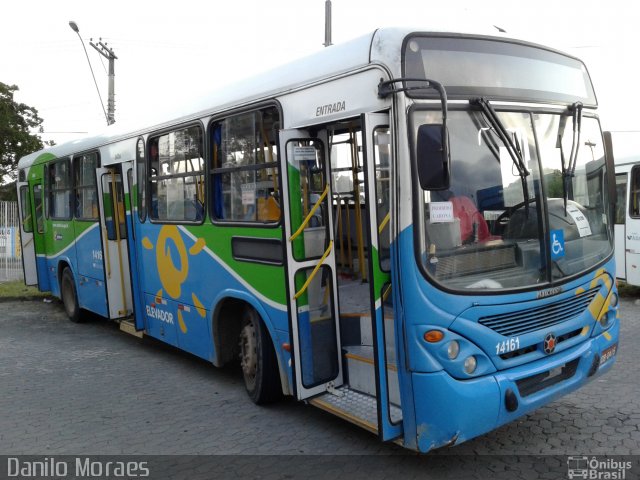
(366, 337)
(355, 407)
(355, 328)
(361, 371)
(128, 326)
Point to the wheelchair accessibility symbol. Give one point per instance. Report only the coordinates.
(557, 244)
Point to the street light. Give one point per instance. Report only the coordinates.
(110, 119)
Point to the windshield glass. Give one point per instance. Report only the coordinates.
(481, 234)
(583, 223)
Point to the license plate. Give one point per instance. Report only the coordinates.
(609, 353)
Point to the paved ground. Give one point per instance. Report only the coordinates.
(90, 389)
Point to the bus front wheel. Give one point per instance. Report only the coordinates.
(70, 296)
(258, 360)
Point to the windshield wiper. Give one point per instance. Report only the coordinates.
(514, 149)
(569, 168)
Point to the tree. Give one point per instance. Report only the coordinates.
(17, 121)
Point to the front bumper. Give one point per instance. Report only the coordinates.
(450, 411)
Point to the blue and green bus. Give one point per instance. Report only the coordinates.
(412, 231)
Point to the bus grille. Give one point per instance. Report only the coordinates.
(532, 319)
(534, 384)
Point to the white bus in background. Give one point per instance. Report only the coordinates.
(625, 148)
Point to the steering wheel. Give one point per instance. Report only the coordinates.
(502, 218)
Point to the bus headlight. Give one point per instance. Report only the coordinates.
(470, 365)
(456, 355)
(604, 319)
(453, 349)
(613, 300)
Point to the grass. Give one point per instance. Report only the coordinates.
(628, 291)
(18, 290)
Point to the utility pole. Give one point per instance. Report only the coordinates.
(327, 23)
(107, 53)
(74, 27)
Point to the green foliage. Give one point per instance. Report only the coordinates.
(554, 184)
(17, 121)
(8, 192)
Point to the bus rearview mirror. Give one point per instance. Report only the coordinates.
(432, 156)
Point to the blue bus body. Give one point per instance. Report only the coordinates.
(290, 224)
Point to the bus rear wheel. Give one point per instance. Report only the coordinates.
(258, 360)
(70, 296)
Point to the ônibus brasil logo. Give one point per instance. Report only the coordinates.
(593, 468)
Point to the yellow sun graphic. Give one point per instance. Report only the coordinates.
(171, 277)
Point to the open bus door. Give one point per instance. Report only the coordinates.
(376, 136)
(311, 272)
(130, 188)
(27, 242)
(371, 399)
(111, 198)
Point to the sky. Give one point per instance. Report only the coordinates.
(171, 52)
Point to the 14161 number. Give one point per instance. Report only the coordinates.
(507, 346)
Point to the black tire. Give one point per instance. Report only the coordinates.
(70, 296)
(258, 360)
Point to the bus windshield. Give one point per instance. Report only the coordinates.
(484, 234)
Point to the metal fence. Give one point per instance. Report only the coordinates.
(10, 249)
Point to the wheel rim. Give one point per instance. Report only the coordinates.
(67, 297)
(249, 354)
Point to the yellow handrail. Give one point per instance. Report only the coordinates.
(308, 217)
(315, 270)
(384, 222)
(386, 293)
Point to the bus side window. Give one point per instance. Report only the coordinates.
(25, 202)
(37, 202)
(59, 189)
(86, 203)
(176, 175)
(245, 167)
(141, 175)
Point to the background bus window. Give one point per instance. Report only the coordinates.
(177, 176)
(621, 198)
(634, 193)
(59, 187)
(245, 168)
(86, 189)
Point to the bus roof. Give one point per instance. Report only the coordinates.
(381, 47)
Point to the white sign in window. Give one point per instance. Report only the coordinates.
(581, 221)
(248, 193)
(304, 154)
(441, 212)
